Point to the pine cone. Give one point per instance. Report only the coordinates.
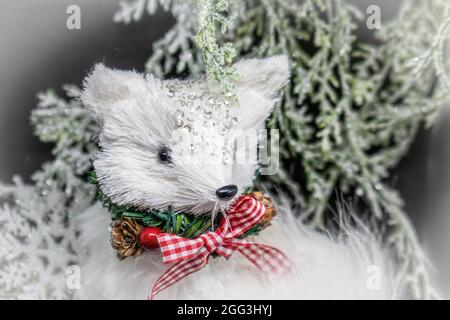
(266, 200)
(125, 238)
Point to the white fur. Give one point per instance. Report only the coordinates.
(138, 116)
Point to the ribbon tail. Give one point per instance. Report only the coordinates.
(266, 258)
(179, 271)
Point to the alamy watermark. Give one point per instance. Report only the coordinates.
(373, 21)
(238, 148)
(374, 277)
(73, 277)
(73, 21)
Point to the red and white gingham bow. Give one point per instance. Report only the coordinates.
(190, 255)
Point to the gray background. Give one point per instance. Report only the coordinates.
(37, 52)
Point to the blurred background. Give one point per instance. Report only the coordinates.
(38, 52)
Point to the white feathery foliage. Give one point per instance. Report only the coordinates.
(177, 49)
(36, 231)
(135, 10)
(38, 244)
(69, 126)
(436, 55)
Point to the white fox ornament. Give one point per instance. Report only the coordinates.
(174, 144)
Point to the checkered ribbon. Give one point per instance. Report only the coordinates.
(190, 255)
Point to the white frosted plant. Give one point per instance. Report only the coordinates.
(192, 42)
(68, 125)
(175, 51)
(37, 243)
(37, 235)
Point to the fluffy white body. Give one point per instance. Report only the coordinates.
(176, 143)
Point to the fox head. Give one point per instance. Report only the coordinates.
(180, 144)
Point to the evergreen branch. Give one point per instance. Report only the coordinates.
(211, 14)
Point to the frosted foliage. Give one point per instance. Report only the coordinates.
(37, 244)
(36, 232)
(68, 125)
(176, 50)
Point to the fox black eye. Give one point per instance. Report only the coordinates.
(164, 155)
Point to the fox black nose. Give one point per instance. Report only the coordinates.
(227, 192)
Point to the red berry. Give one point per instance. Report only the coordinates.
(149, 237)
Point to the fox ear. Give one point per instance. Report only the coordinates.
(105, 87)
(258, 86)
(265, 76)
